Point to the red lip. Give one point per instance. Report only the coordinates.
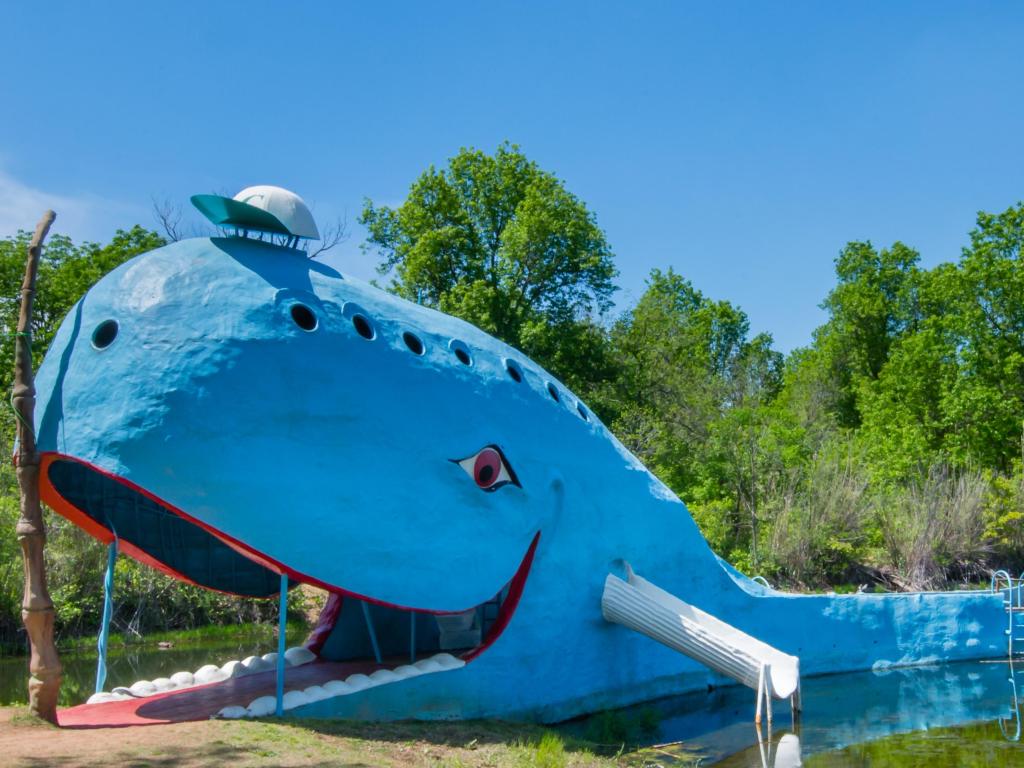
(79, 517)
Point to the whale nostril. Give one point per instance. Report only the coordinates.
(362, 326)
(303, 317)
(104, 334)
(412, 341)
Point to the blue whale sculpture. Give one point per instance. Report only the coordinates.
(234, 411)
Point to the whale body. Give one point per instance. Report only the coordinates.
(233, 411)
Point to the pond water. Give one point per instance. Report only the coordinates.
(949, 715)
(962, 714)
(135, 662)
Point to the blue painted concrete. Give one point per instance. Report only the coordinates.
(331, 454)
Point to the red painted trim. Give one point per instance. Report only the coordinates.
(50, 495)
(328, 618)
(508, 607)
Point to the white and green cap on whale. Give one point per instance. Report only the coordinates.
(263, 208)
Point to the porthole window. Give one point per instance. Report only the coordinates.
(582, 412)
(412, 341)
(553, 391)
(304, 317)
(513, 372)
(363, 327)
(461, 352)
(104, 334)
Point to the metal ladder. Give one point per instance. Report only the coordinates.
(1012, 590)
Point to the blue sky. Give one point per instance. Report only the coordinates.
(740, 143)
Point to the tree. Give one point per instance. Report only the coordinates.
(498, 241)
(66, 272)
(874, 303)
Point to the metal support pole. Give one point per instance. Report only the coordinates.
(760, 696)
(108, 611)
(412, 636)
(282, 625)
(369, 627)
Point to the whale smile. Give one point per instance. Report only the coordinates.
(373, 640)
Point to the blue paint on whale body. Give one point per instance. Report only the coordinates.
(332, 455)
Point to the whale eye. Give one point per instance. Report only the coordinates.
(488, 469)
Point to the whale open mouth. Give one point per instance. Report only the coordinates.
(359, 642)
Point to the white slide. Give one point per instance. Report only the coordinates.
(641, 606)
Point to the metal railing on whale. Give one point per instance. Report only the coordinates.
(639, 605)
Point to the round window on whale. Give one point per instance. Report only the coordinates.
(104, 334)
(513, 371)
(553, 391)
(461, 351)
(363, 327)
(304, 317)
(412, 341)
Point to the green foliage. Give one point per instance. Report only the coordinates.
(499, 242)
(66, 272)
(550, 752)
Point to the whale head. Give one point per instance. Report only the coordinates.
(232, 411)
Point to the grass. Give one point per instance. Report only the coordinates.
(491, 743)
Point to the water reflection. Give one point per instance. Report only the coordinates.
(126, 665)
(1009, 725)
(839, 710)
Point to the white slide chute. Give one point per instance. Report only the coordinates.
(639, 605)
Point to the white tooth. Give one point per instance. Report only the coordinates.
(270, 658)
(234, 669)
(103, 698)
(142, 688)
(317, 693)
(428, 665)
(233, 712)
(358, 682)
(407, 670)
(182, 679)
(255, 664)
(263, 706)
(294, 699)
(163, 684)
(209, 674)
(338, 688)
(447, 661)
(384, 676)
(298, 656)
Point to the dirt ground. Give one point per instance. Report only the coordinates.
(25, 741)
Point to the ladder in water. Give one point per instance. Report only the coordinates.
(1012, 590)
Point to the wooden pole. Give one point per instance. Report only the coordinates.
(36, 606)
